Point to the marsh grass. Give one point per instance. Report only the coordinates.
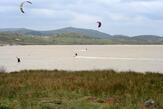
(81, 89)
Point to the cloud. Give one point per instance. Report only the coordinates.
(46, 12)
(130, 17)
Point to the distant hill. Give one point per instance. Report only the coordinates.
(148, 38)
(138, 39)
(89, 32)
(72, 38)
(18, 39)
(59, 39)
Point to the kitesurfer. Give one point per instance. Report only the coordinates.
(99, 24)
(76, 54)
(18, 59)
(21, 5)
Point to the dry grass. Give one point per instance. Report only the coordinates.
(124, 88)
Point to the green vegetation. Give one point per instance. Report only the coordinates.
(80, 90)
(17, 39)
(89, 32)
(72, 39)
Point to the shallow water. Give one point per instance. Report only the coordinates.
(95, 57)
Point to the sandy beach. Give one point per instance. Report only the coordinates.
(140, 58)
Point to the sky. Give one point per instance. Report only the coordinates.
(125, 17)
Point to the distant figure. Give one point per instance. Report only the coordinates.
(76, 54)
(18, 59)
(86, 49)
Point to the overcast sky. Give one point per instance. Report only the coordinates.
(127, 17)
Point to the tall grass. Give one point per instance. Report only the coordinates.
(125, 88)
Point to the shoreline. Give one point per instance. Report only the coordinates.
(88, 45)
(76, 71)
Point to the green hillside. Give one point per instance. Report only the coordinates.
(89, 32)
(8, 38)
(17, 39)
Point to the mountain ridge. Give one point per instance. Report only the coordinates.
(71, 35)
(90, 32)
(25, 31)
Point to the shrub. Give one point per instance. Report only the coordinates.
(4, 107)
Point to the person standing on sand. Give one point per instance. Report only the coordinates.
(76, 54)
(18, 59)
